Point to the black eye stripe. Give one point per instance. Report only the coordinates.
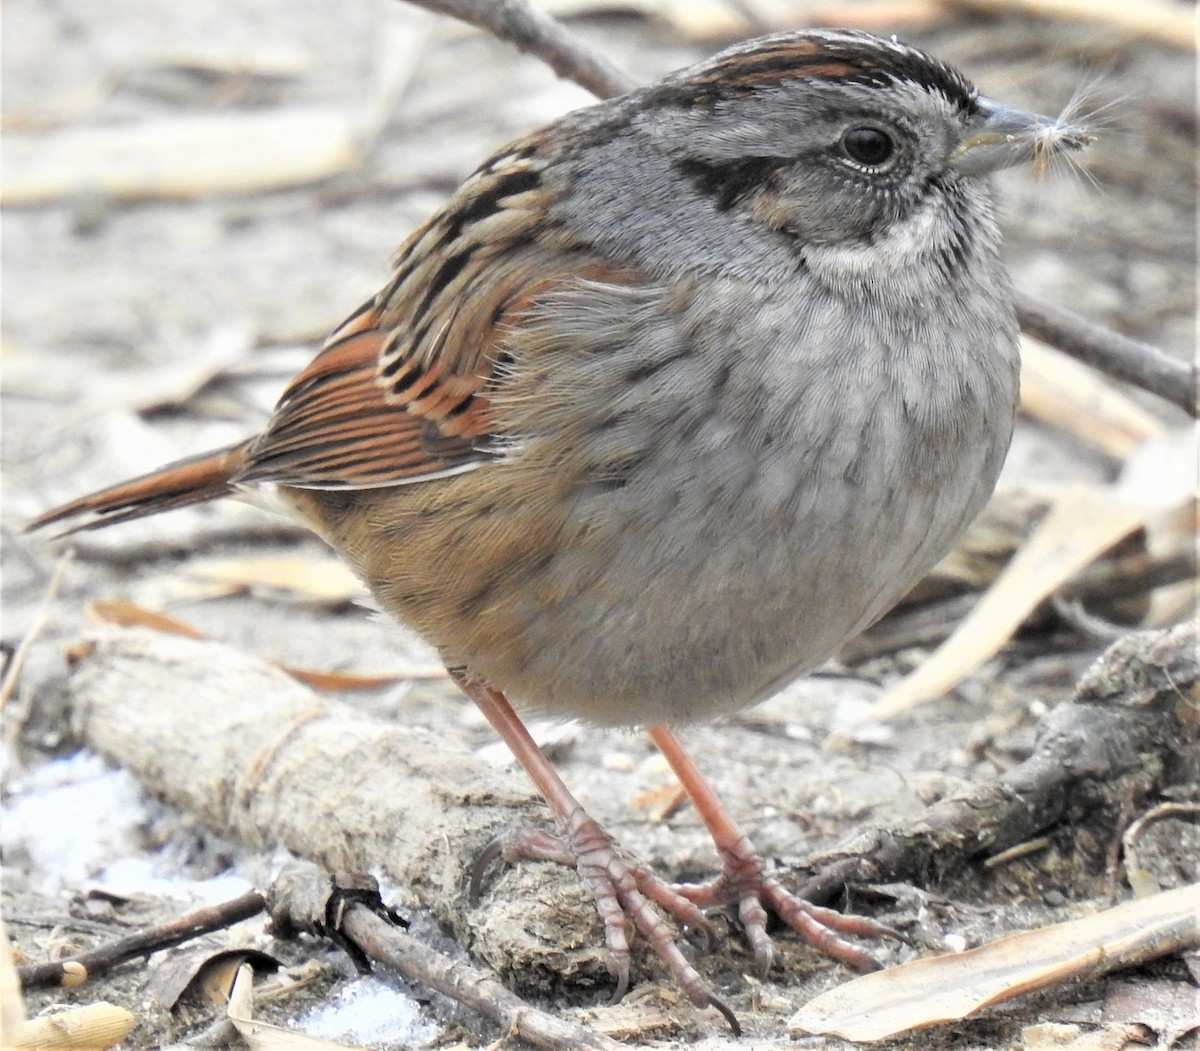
(733, 181)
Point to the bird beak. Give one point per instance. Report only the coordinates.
(1006, 136)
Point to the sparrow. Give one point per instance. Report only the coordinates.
(671, 398)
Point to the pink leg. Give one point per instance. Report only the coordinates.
(621, 890)
(744, 883)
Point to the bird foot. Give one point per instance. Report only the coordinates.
(744, 884)
(624, 892)
(627, 893)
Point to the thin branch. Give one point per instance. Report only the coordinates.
(468, 985)
(77, 969)
(1118, 356)
(537, 34)
(347, 909)
(1132, 575)
(12, 674)
(931, 623)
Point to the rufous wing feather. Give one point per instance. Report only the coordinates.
(195, 480)
(402, 391)
(336, 427)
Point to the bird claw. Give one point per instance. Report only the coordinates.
(624, 892)
(744, 883)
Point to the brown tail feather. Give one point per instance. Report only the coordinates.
(191, 481)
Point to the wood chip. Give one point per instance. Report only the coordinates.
(88, 1028)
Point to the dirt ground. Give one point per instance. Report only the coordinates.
(139, 330)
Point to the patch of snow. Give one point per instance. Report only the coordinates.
(70, 817)
(372, 1013)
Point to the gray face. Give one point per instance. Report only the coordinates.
(819, 162)
(809, 139)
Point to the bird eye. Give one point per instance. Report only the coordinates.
(868, 146)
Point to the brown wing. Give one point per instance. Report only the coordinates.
(335, 428)
(401, 391)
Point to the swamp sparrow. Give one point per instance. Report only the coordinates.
(671, 398)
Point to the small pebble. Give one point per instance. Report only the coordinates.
(620, 762)
(797, 732)
(954, 942)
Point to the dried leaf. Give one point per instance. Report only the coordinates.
(326, 581)
(333, 681)
(130, 615)
(879, 15)
(1081, 525)
(192, 155)
(204, 966)
(1067, 394)
(1052, 1036)
(662, 802)
(262, 60)
(949, 988)
(261, 1036)
(1160, 470)
(181, 157)
(174, 384)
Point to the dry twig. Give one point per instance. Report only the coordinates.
(537, 34)
(77, 969)
(929, 623)
(1132, 720)
(305, 898)
(12, 674)
(1118, 356)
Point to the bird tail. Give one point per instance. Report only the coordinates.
(195, 480)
